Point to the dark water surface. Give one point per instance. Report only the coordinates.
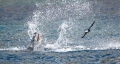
(74, 57)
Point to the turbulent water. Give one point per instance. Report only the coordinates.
(62, 24)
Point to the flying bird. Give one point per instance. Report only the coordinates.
(88, 30)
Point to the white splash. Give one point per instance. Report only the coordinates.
(34, 23)
(64, 29)
(33, 26)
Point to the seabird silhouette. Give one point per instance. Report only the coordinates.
(88, 30)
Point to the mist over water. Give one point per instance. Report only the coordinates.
(63, 22)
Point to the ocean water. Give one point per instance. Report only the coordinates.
(62, 24)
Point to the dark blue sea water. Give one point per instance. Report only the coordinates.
(62, 23)
(73, 57)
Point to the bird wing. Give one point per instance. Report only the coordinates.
(92, 24)
(84, 34)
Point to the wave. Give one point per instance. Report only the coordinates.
(14, 48)
(52, 48)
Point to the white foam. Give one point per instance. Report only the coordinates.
(58, 48)
(114, 45)
(14, 48)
